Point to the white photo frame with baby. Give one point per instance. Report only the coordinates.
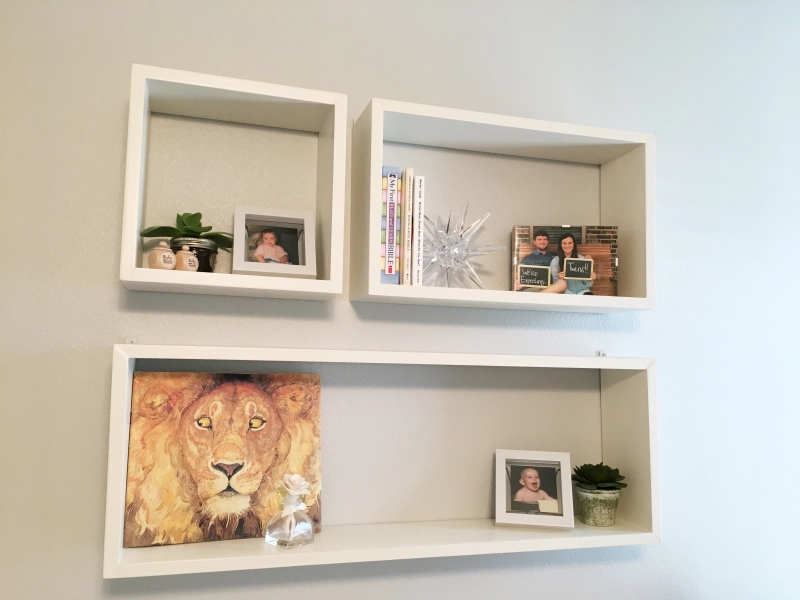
(291, 251)
(522, 500)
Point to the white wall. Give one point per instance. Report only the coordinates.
(719, 86)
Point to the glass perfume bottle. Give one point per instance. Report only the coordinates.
(291, 527)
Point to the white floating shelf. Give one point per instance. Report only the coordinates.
(167, 91)
(574, 400)
(370, 543)
(434, 140)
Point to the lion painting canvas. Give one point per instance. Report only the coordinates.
(208, 451)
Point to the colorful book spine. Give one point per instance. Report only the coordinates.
(418, 226)
(390, 225)
(408, 220)
(520, 234)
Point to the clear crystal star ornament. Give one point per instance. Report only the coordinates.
(449, 248)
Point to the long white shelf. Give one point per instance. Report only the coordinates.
(595, 408)
(375, 542)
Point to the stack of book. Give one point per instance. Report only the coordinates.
(402, 227)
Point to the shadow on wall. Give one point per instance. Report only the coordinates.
(596, 323)
(215, 306)
(473, 567)
(375, 312)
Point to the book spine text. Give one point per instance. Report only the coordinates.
(418, 250)
(391, 217)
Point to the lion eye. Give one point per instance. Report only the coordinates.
(203, 423)
(257, 423)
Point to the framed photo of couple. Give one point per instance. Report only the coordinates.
(533, 488)
(278, 242)
(565, 259)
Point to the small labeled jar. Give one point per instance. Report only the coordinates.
(161, 257)
(186, 260)
(204, 251)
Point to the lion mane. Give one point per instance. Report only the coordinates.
(175, 483)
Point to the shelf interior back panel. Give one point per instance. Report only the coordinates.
(200, 165)
(515, 190)
(403, 443)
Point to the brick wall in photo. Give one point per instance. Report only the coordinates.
(605, 235)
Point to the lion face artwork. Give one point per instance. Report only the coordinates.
(208, 451)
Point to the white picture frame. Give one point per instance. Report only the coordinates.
(249, 221)
(555, 481)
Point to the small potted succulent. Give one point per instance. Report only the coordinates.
(189, 231)
(598, 488)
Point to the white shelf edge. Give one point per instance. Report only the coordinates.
(458, 114)
(229, 284)
(372, 543)
(235, 84)
(233, 353)
(438, 296)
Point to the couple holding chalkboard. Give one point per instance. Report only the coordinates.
(570, 272)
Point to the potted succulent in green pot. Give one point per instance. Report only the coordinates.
(189, 231)
(597, 493)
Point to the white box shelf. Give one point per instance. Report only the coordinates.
(185, 94)
(524, 172)
(460, 408)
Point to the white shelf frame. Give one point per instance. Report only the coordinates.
(182, 93)
(626, 161)
(628, 417)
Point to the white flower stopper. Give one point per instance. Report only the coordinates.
(295, 484)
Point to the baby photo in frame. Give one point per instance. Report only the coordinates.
(533, 488)
(278, 242)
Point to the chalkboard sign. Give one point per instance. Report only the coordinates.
(578, 268)
(533, 276)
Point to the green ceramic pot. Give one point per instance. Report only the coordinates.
(597, 508)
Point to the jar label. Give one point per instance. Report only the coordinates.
(192, 263)
(167, 260)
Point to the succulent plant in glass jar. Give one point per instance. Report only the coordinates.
(190, 231)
